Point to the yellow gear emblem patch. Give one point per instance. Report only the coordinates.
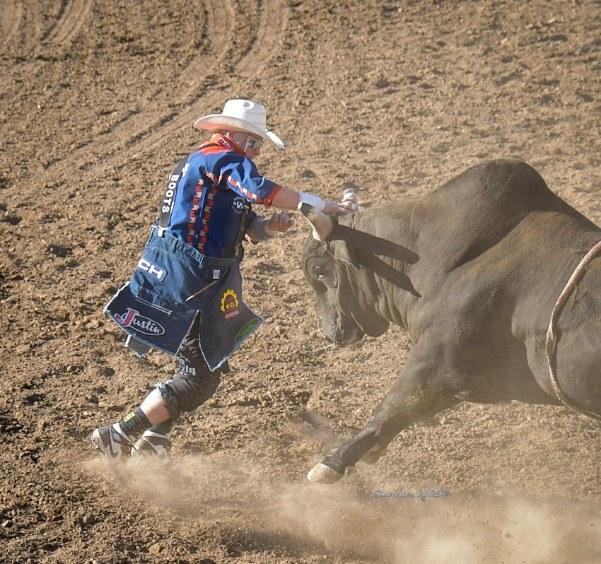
(229, 303)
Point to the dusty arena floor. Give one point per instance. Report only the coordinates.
(97, 104)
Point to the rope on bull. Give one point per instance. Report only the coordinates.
(551, 342)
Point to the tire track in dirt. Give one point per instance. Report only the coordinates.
(136, 18)
(134, 129)
(269, 36)
(73, 14)
(215, 12)
(273, 18)
(154, 134)
(10, 20)
(26, 29)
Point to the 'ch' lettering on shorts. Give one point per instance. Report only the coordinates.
(152, 269)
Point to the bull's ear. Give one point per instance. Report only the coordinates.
(323, 225)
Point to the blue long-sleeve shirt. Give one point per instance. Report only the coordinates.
(211, 204)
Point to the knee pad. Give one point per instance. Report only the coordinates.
(187, 391)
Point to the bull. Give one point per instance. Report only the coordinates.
(493, 278)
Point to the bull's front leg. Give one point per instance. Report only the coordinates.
(424, 387)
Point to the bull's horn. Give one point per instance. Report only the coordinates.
(350, 198)
(350, 195)
(322, 224)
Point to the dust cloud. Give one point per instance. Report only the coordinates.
(363, 522)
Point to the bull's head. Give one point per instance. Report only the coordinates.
(332, 267)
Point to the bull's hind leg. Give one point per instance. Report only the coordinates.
(424, 388)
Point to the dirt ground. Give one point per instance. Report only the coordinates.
(97, 104)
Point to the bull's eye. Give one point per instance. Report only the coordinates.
(323, 275)
(319, 273)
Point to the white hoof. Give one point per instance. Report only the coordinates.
(322, 474)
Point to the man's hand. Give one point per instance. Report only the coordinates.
(278, 223)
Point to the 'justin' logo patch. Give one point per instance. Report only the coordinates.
(140, 323)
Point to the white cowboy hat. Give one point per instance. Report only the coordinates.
(240, 115)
